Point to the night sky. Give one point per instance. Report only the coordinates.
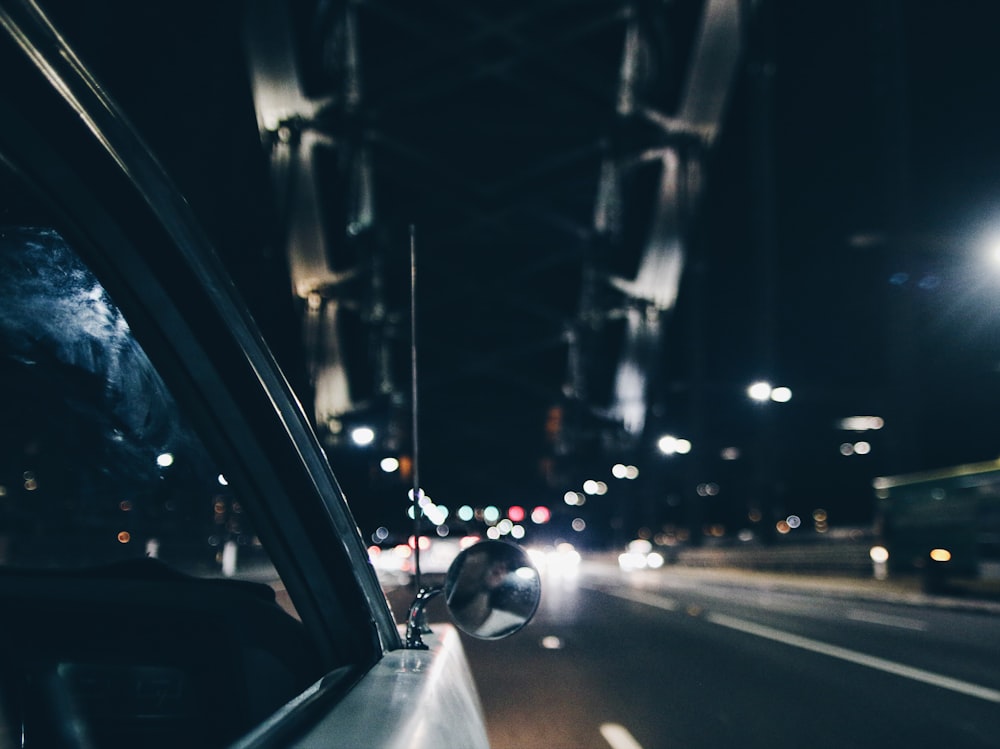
(838, 248)
(882, 300)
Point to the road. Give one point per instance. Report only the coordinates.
(668, 659)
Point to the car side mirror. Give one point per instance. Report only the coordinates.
(492, 590)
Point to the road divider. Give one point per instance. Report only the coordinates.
(816, 646)
(641, 596)
(853, 656)
(887, 620)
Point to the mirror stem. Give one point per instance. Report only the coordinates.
(416, 621)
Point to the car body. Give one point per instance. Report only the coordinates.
(177, 561)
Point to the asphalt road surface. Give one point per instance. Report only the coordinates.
(671, 659)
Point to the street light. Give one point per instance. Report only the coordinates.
(670, 445)
(362, 436)
(762, 391)
(781, 394)
(991, 250)
(622, 471)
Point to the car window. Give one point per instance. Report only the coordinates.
(97, 463)
(146, 604)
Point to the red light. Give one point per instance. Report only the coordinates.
(468, 541)
(541, 515)
(516, 513)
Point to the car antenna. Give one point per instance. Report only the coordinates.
(416, 620)
(415, 497)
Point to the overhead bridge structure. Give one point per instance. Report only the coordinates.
(545, 161)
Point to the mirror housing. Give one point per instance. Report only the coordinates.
(492, 590)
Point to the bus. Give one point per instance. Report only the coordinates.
(942, 524)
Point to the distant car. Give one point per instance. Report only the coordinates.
(640, 555)
(437, 554)
(178, 566)
(397, 564)
(561, 559)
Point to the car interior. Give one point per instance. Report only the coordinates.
(136, 654)
(127, 621)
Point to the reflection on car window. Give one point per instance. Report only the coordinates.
(96, 463)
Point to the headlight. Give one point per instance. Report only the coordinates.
(879, 554)
(940, 555)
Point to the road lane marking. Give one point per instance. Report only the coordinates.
(619, 737)
(870, 661)
(888, 620)
(641, 596)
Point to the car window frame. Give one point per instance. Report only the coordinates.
(328, 574)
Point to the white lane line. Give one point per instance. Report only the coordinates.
(641, 596)
(619, 737)
(888, 620)
(870, 661)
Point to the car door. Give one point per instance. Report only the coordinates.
(174, 541)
